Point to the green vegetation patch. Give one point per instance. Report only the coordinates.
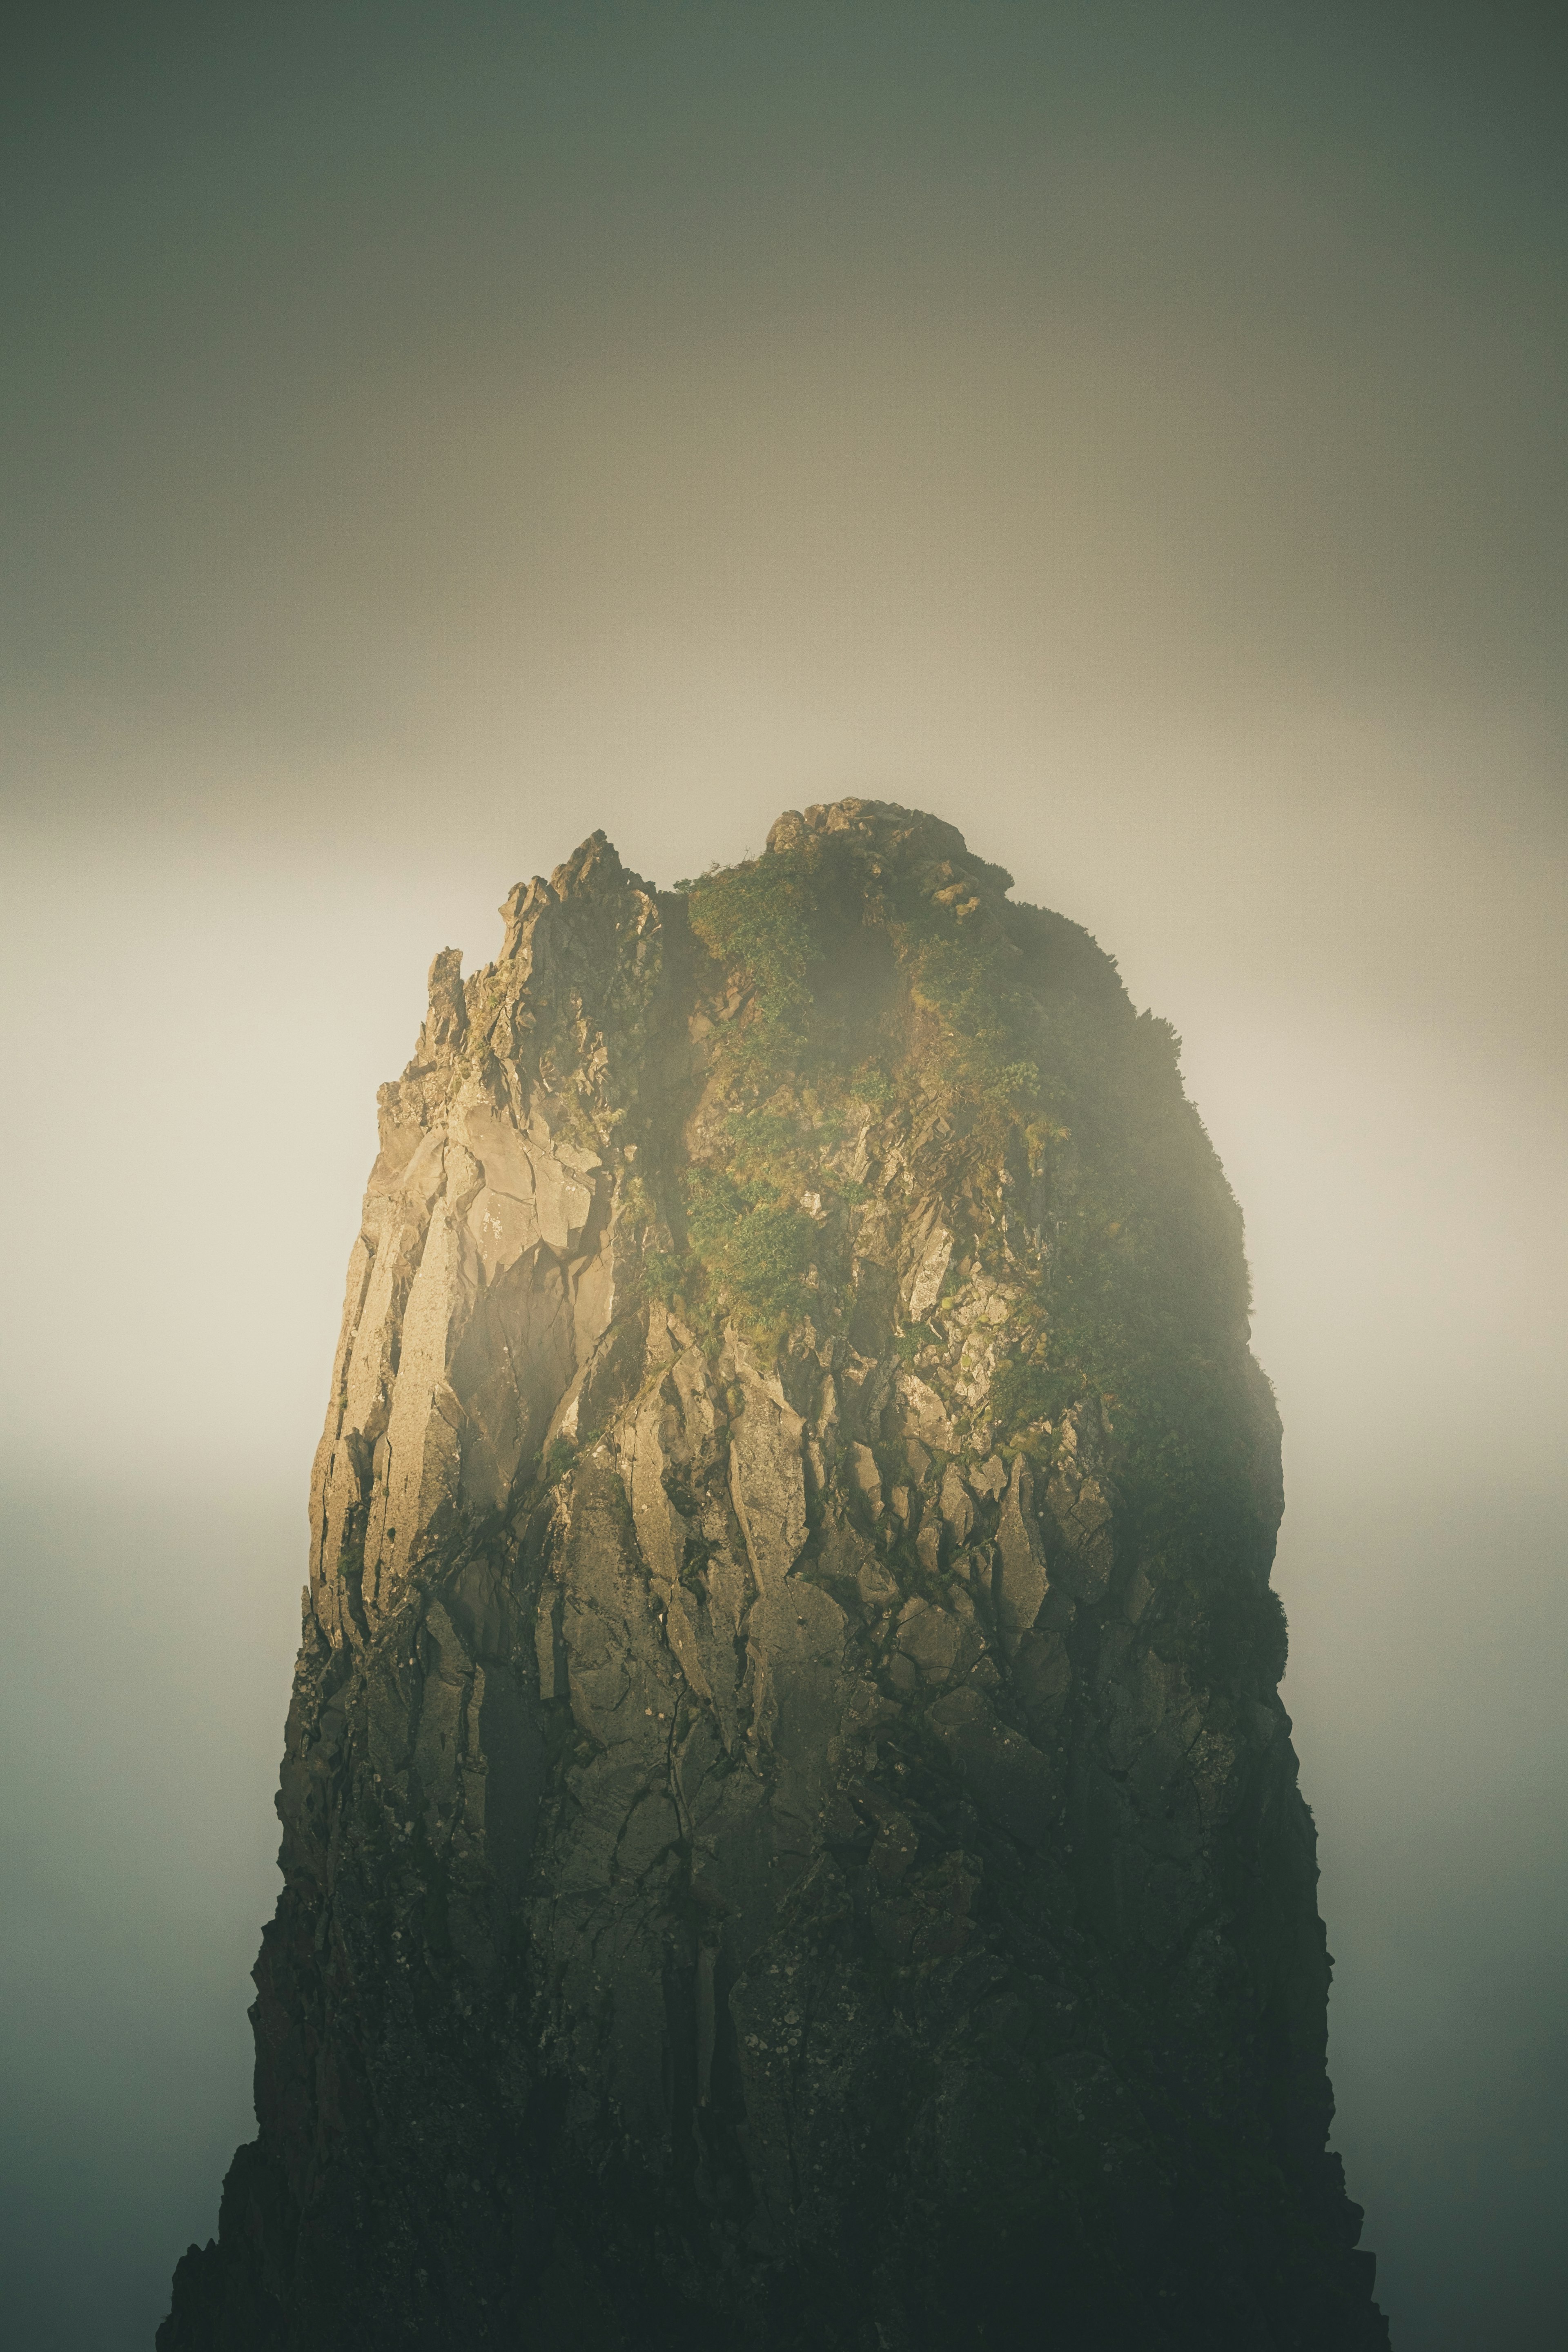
(758, 1249)
(756, 919)
(996, 1048)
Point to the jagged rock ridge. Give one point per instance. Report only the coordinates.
(790, 1834)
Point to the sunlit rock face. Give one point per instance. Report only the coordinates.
(790, 1835)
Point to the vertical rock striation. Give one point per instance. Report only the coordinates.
(790, 1837)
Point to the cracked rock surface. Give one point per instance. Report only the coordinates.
(790, 1836)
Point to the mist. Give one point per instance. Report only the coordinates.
(1136, 435)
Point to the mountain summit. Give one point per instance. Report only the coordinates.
(790, 1836)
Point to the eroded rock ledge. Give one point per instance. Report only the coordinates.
(790, 1834)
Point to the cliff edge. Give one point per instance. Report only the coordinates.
(790, 1836)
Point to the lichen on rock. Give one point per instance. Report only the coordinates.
(790, 1834)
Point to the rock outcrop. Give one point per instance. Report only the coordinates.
(790, 1839)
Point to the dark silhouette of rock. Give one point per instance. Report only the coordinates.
(790, 1835)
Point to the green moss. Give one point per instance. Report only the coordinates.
(1009, 1044)
(982, 1058)
(758, 1249)
(663, 1275)
(873, 1085)
(559, 1456)
(755, 919)
(1024, 1393)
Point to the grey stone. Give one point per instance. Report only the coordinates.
(1021, 1581)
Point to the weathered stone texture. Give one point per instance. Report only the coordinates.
(772, 1858)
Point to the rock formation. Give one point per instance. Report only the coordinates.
(790, 1837)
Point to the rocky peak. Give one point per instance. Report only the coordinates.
(790, 1835)
(888, 833)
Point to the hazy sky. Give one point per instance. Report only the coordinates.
(1136, 432)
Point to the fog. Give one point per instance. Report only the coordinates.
(1136, 435)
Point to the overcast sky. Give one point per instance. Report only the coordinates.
(1136, 433)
